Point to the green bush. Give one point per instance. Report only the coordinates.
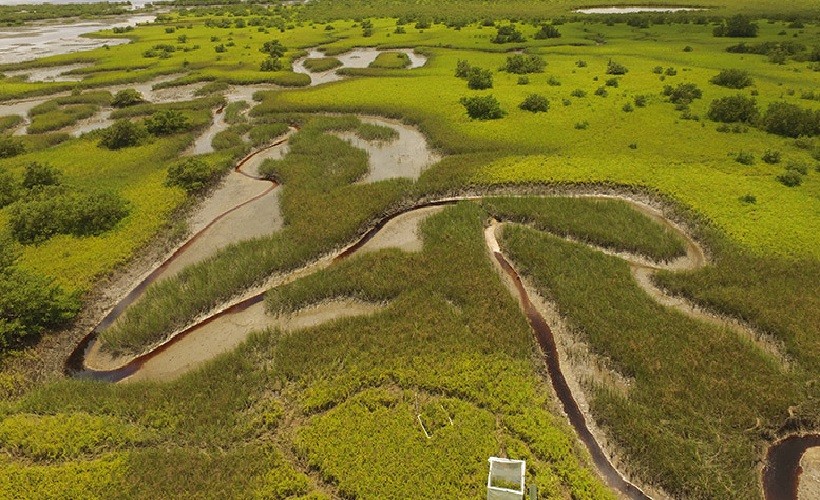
(614, 68)
(166, 122)
(127, 97)
(480, 79)
(521, 64)
(745, 158)
(732, 109)
(684, 93)
(50, 211)
(9, 190)
(771, 156)
(547, 31)
(271, 64)
(319, 64)
(790, 120)
(578, 93)
(738, 26)
(507, 34)
(790, 178)
(732, 78)
(535, 103)
(122, 134)
(462, 68)
(10, 146)
(192, 175)
(273, 48)
(40, 174)
(483, 107)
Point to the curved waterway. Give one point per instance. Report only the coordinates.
(784, 468)
(356, 58)
(780, 477)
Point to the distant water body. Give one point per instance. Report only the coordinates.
(136, 4)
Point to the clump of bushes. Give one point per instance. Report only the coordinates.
(745, 158)
(578, 93)
(738, 26)
(270, 64)
(732, 78)
(122, 134)
(614, 68)
(29, 303)
(483, 107)
(771, 157)
(507, 34)
(166, 122)
(535, 103)
(521, 64)
(40, 174)
(127, 97)
(684, 93)
(601, 91)
(48, 211)
(192, 174)
(547, 31)
(10, 146)
(790, 120)
(732, 109)
(479, 79)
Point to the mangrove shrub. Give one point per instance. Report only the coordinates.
(535, 103)
(521, 64)
(732, 78)
(483, 107)
(732, 109)
(122, 134)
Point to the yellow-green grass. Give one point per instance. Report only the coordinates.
(319, 64)
(391, 60)
(686, 159)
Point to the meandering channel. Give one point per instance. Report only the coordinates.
(246, 314)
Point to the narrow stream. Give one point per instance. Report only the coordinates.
(781, 475)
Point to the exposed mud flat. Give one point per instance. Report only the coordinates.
(356, 58)
(406, 156)
(47, 39)
(50, 74)
(634, 9)
(402, 232)
(225, 333)
(808, 486)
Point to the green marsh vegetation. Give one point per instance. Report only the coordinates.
(319, 64)
(450, 342)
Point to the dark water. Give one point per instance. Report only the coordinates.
(782, 471)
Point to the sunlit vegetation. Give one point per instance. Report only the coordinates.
(683, 110)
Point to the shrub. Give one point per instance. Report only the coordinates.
(613, 68)
(127, 97)
(547, 31)
(166, 122)
(745, 158)
(771, 157)
(479, 79)
(54, 211)
(800, 168)
(8, 190)
(535, 103)
(684, 93)
(553, 81)
(748, 198)
(601, 91)
(40, 174)
(581, 63)
(627, 108)
(732, 78)
(612, 82)
(658, 70)
(578, 93)
(790, 178)
(29, 303)
(523, 80)
(688, 48)
(640, 101)
(463, 68)
(273, 48)
(738, 26)
(789, 120)
(732, 109)
(10, 146)
(507, 34)
(219, 49)
(270, 64)
(483, 107)
(582, 125)
(521, 64)
(192, 175)
(670, 72)
(122, 134)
